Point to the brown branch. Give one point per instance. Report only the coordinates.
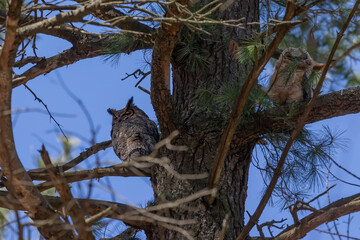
(300, 124)
(27, 60)
(109, 12)
(133, 216)
(335, 104)
(87, 46)
(329, 213)
(301, 205)
(84, 155)
(72, 207)
(64, 31)
(126, 234)
(123, 170)
(242, 98)
(72, 163)
(65, 58)
(71, 16)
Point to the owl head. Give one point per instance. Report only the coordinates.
(124, 113)
(301, 58)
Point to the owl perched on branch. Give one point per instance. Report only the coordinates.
(291, 79)
(133, 133)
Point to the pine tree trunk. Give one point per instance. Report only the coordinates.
(202, 128)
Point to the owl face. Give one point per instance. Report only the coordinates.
(298, 57)
(291, 79)
(123, 114)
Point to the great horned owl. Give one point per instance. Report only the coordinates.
(133, 133)
(290, 81)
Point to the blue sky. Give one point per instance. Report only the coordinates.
(98, 84)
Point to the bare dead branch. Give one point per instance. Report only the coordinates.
(301, 205)
(144, 90)
(82, 156)
(224, 226)
(269, 225)
(97, 217)
(123, 170)
(136, 74)
(126, 234)
(28, 60)
(47, 109)
(71, 16)
(93, 207)
(139, 167)
(337, 234)
(329, 213)
(136, 217)
(87, 46)
(109, 12)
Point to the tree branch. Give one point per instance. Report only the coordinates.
(123, 170)
(71, 16)
(107, 13)
(93, 207)
(329, 213)
(160, 73)
(87, 46)
(72, 163)
(335, 104)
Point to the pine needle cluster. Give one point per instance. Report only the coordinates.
(307, 164)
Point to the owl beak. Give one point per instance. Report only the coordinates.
(318, 66)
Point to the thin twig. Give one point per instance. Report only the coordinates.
(47, 109)
(337, 234)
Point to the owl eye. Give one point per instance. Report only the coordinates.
(127, 114)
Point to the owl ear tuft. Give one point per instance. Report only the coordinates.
(111, 111)
(129, 104)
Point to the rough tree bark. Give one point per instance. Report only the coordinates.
(202, 136)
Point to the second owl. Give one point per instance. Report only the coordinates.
(290, 81)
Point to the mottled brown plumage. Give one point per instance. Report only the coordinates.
(133, 133)
(290, 81)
